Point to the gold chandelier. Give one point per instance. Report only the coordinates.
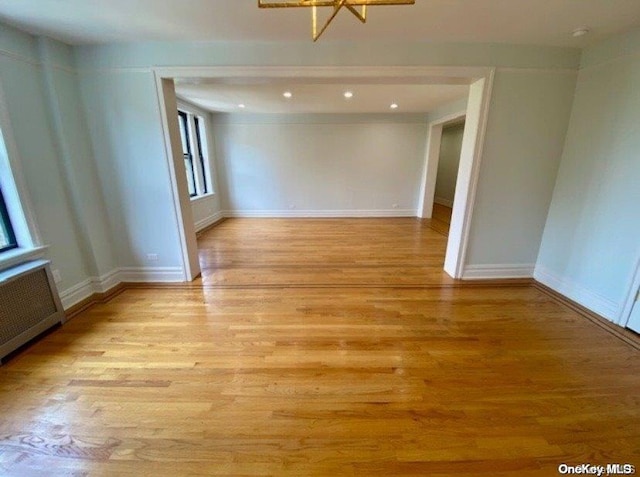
(337, 5)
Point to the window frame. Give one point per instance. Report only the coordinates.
(7, 226)
(200, 126)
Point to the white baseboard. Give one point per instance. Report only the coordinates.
(77, 293)
(576, 292)
(204, 223)
(441, 201)
(83, 290)
(107, 281)
(153, 275)
(500, 271)
(320, 213)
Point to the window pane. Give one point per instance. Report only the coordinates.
(191, 180)
(199, 133)
(184, 132)
(7, 237)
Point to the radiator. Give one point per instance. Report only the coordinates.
(29, 304)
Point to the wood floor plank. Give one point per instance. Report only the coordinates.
(361, 376)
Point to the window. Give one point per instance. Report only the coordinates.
(7, 236)
(193, 138)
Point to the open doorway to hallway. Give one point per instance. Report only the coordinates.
(448, 166)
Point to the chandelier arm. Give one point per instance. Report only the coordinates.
(329, 3)
(336, 8)
(360, 16)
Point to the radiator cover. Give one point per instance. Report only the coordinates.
(29, 304)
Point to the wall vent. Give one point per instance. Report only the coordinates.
(29, 304)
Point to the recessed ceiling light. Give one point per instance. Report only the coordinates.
(241, 106)
(394, 106)
(578, 32)
(287, 94)
(348, 94)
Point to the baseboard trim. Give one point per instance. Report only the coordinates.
(210, 221)
(441, 201)
(272, 214)
(83, 290)
(497, 272)
(94, 299)
(618, 331)
(79, 293)
(594, 302)
(147, 274)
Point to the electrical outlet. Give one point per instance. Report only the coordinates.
(292, 206)
(152, 257)
(57, 276)
(395, 206)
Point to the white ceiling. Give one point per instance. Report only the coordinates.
(535, 22)
(319, 98)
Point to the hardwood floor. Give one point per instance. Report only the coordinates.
(321, 347)
(322, 252)
(441, 219)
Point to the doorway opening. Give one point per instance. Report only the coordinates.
(477, 80)
(447, 174)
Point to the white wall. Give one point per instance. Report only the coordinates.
(533, 89)
(327, 165)
(40, 89)
(124, 123)
(448, 162)
(592, 236)
(526, 127)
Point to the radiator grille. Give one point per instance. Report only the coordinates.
(26, 301)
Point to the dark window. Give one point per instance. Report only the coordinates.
(192, 129)
(186, 152)
(7, 237)
(198, 128)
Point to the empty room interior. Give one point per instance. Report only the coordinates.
(319, 237)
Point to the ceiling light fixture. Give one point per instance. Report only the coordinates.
(348, 94)
(578, 32)
(337, 5)
(241, 106)
(394, 106)
(287, 94)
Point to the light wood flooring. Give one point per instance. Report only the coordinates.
(441, 218)
(321, 347)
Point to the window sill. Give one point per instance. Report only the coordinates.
(19, 255)
(202, 197)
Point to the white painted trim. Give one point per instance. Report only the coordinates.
(207, 221)
(430, 171)
(420, 74)
(152, 274)
(107, 281)
(320, 213)
(441, 201)
(189, 107)
(593, 301)
(182, 211)
(630, 297)
(83, 290)
(16, 256)
(501, 271)
(198, 198)
(75, 294)
(468, 175)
